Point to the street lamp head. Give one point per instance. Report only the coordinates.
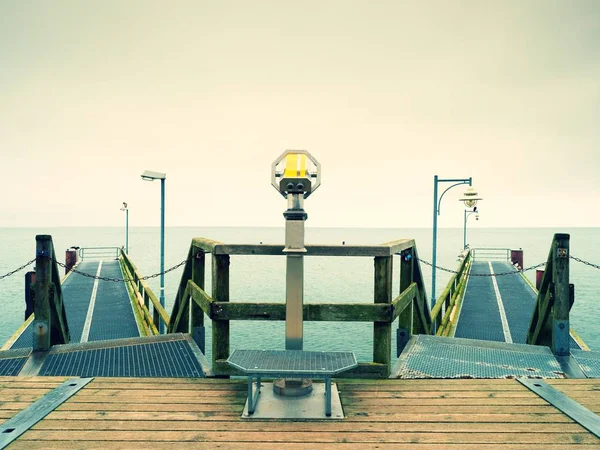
(124, 208)
(470, 197)
(149, 175)
(296, 170)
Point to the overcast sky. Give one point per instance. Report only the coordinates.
(385, 94)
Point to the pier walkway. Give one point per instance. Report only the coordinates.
(497, 308)
(123, 413)
(96, 311)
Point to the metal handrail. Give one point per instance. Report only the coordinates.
(490, 252)
(99, 252)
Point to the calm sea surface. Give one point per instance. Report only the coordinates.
(328, 280)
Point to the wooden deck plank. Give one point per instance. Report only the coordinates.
(313, 436)
(107, 445)
(360, 416)
(268, 426)
(395, 414)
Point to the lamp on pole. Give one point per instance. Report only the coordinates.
(436, 212)
(151, 176)
(124, 208)
(467, 215)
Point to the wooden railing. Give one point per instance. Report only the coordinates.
(550, 321)
(443, 314)
(50, 318)
(410, 306)
(149, 307)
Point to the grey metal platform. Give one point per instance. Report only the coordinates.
(588, 361)
(12, 361)
(172, 355)
(441, 357)
(290, 364)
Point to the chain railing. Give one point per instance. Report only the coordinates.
(512, 272)
(587, 263)
(18, 269)
(122, 280)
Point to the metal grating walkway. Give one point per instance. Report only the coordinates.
(588, 361)
(440, 357)
(112, 315)
(480, 316)
(162, 356)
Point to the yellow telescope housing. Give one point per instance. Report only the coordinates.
(298, 173)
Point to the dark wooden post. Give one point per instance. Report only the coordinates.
(382, 331)
(220, 293)
(560, 311)
(197, 315)
(539, 276)
(405, 319)
(43, 284)
(70, 259)
(516, 257)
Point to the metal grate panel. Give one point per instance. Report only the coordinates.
(113, 316)
(11, 367)
(77, 291)
(159, 359)
(480, 317)
(292, 361)
(437, 357)
(518, 299)
(26, 338)
(588, 361)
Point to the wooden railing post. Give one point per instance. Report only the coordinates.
(196, 313)
(405, 319)
(50, 326)
(43, 283)
(220, 293)
(560, 311)
(382, 331)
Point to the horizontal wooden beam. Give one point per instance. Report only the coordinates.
(332, 312)
(404, 300)
(200, 297)
(219, 248)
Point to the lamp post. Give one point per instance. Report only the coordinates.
(436, 212)
(151, 176)
(468, 214)
(124, 208)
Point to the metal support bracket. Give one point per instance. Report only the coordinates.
(564, 403)
(24, 420)
(402, 337)
(253, 398)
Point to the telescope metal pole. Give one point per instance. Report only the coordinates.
(294, 249)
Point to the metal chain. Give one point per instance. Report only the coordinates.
(121, 280)
(514, 272)
(17, 270)
(587, 263)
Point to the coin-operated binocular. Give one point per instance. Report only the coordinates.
(295, 174)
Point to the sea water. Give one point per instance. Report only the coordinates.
(327, 279)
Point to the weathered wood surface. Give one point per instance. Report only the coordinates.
(119, 413)
(387, 249)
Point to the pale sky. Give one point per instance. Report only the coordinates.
(385, 94)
